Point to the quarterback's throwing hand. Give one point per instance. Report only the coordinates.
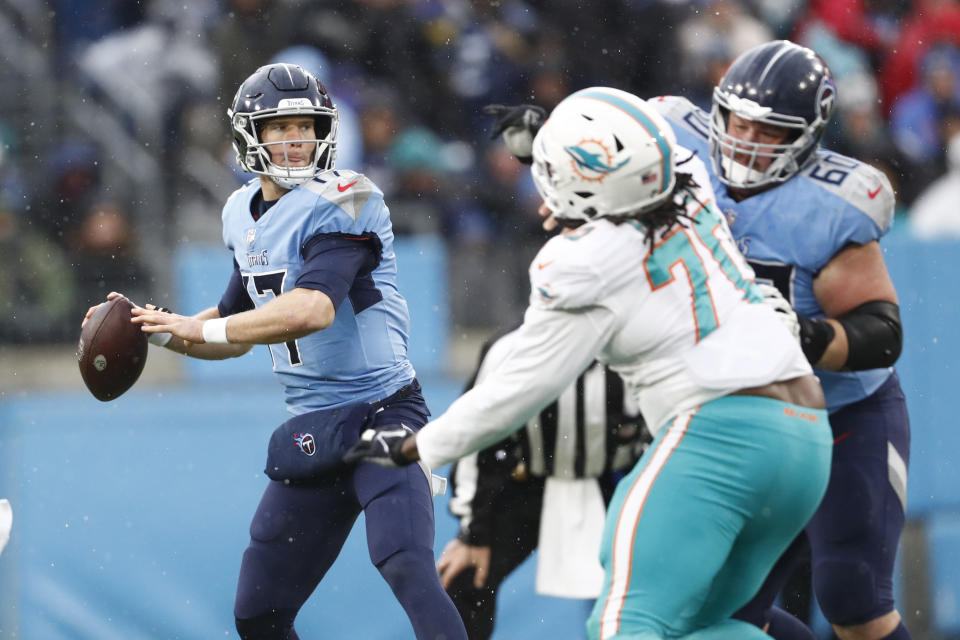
(518, 124)
(381, 446)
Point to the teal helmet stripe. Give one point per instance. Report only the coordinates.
(644, 121)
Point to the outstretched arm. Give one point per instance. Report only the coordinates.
(294, 314)
(553, 347)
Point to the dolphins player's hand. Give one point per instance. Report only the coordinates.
(518, 124)
(773, 298)
(383, 446)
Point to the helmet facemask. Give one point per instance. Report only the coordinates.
(254, 155)
(727, 152)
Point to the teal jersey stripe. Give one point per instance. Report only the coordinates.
(644, 121)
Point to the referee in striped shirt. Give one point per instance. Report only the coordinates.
(592, 430)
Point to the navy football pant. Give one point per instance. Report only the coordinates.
(298, 531)
(855, 533)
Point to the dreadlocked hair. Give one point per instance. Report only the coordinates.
(673, 211)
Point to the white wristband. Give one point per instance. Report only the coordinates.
(160, 339)
(215, 331)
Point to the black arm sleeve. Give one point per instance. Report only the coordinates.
(816, 334)
(235, 299)
(874, 335)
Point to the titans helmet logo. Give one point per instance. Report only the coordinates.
(826, 98)
(591, 160)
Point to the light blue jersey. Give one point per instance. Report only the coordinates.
(789, 233)
(362, 356)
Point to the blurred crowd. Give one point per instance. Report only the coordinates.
(115, 146)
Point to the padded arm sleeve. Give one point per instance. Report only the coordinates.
(816, 334)
(874, 335)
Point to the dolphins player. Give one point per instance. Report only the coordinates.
(645, 277)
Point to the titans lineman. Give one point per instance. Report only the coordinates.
(809, 221)
(315, 278)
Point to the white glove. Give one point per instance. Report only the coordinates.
(775, 300)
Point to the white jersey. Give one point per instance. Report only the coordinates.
(683, 324)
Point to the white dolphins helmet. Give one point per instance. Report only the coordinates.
(604, 153)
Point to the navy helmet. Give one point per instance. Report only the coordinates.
(777, 83)
(275, 91)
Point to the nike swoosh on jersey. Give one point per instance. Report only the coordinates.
(873, 194)
(343, 187)
(543, 265)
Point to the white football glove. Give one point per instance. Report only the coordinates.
(775, 300)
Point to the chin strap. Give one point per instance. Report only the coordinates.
(739, 174)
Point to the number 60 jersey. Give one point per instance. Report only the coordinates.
(790, 232)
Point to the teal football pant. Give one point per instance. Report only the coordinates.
(694, 528)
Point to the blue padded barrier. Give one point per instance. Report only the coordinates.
(927, 277)
(943, 544)
(130, 518)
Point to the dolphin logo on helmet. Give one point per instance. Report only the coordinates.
(586, 160)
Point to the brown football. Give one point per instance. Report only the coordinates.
(112, 350)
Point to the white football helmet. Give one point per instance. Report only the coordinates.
(604, 153)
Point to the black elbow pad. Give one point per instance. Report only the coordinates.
(874, 335)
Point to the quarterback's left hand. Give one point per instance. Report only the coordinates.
(154, 320)
(383, 446)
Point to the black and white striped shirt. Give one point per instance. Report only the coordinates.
(591, 429)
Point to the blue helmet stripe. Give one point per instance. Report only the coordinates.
(644, 121)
